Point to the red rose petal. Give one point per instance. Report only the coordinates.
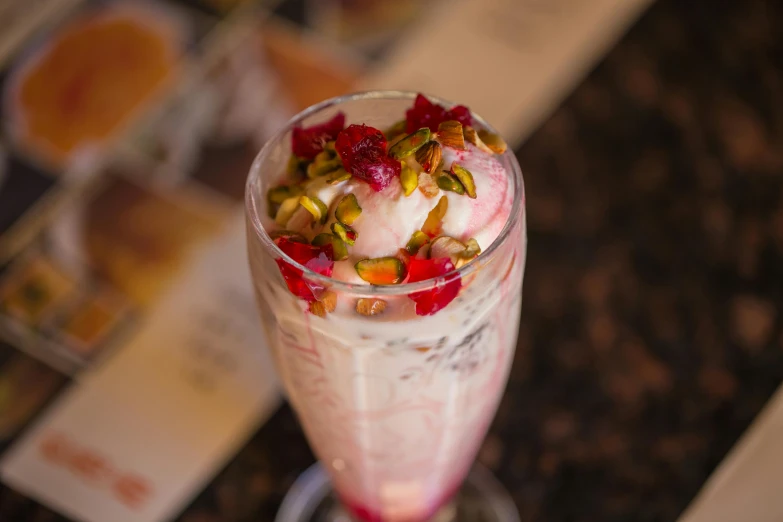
(461, 114)
(317, 259)
(309, 141)
(435, 299)
(363, 152)
(424, 113)
(378, 173)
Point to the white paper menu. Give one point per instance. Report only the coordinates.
(137, 436)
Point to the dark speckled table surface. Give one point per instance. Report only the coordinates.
(651, 330)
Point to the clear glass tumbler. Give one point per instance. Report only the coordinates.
(395, 406)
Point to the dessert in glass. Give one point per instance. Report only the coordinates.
(386, 237)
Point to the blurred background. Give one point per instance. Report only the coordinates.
(651, 138)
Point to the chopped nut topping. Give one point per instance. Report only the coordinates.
(429, 156)
(411, 143)
(434, 222)
(370, 307)
(381, 270)
(450, 134)
(347, 209)
(465, 179)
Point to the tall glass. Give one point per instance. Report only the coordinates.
(395, 405)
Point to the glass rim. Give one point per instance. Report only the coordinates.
(252, 203)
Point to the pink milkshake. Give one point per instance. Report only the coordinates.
(387, 243)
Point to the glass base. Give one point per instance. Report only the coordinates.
(481, 499)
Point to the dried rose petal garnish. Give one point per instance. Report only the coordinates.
(363, 152)
(424, 113)
(307, 142)
(319, 259)
(435, 299)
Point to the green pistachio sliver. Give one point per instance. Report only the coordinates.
(409, 179)
(448, 182)
(347, 209)
(410, 143)
(319, 168)
(276, 195)
(316, 207)
(344, 232)
(465, 178)
(329, 146)
(295, 164)
(472, 248)
(417, 240)
(322, 156)
(279, 194)
(395, 130)
(381, 270)
(445, 246)
(338, 176)
(324, 238)
(286, 210)
(339, 250)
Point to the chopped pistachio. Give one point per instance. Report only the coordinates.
(286, 210)
(434, 222)
(324, 238)
(409, 179)
(417, 240)
(322, 156)
(445, 246)
(295, 166)
(395, 130)
(301, 219)
(319, 168)
(410, 144)
(381, 270)
(471, 252)
(448, 182)
(338, 176)
(403, 256)
(472, 248)
(370, 307)
(348, 209)
(276, 195)
(339, 249)
(344, 232)
(281, 193)
(316, 207)
(465, 178)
